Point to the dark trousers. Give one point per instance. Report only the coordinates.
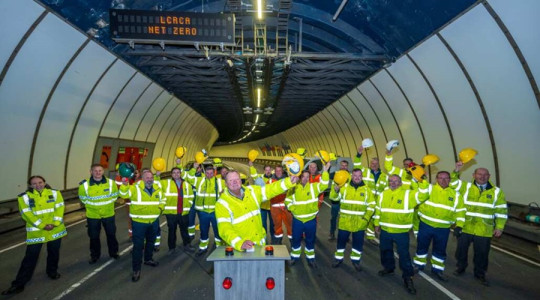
(30, 260)
(357, 243)
(310, 230)
(204, 224)
(174, 221)
(481, 246)
(439, 236)
(334, 212)
(386, 247)
(142, 231)
(94, 230)
(265, 215)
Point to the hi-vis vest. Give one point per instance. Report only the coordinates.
(144, 208)
(171, 193)
(254, 175)
(303, 201)
(208, 191)
(357, 205)
(406, 178)
(369, 179)
(443, 208)
(40, 209)
(98, 198)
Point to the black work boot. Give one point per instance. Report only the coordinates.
(409, 285)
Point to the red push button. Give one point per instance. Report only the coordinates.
(270, 283)
(227, 283)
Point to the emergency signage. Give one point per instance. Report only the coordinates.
(171, 27)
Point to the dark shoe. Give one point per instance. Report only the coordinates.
(332, 237)
(156, 249)
(312, 264)
(201, 252)
(336, 263)
(93, 260)
(440, 276)
(136, 276)
(54, 276)
(385, 272)
(189, 248)
(409, 285)
(292, 262)
(13, 290)
(459, 271)
(171, 251)
(357, 267)
(116, 256)
(482, 280)
(151, 263)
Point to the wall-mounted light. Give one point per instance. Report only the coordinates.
(258, 97)
(259, 9)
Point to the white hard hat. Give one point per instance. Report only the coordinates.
(392, 144)
(367, 142)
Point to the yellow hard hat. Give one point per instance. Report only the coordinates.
(430, 159)
(159, 164)
(217, 162)
(180, 151)
(323, 155)
(333, 156)
(417, 171)
(467, 155)
(301, 152)
(252, 155)
(341, 177)
(200, 157)
(243, 176)
(294, 164)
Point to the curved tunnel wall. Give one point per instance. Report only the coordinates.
(472, 84)
(60, 92)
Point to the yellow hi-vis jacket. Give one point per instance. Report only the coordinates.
(239, 220)
(171, 192)
(443, 208)
(303, 201)
(406, 178)
(267, 180)
(394, 211)
(357, 205)
(369, 179)
(144, 208)
(98, 197)
(484, 211)
(40, 209)
(208, 191)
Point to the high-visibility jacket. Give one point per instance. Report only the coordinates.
(406, 178)
(171, 192)
(267, 180)
(98, 197)
(394, 211)
(484, 211)
(40, 209)
(369, 179)
(239, 219)
(443, 208)
(357, 205)
(302, 200)
(144, 208)
(208, 191)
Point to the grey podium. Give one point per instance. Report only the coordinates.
(249, 275)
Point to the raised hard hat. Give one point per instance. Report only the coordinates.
(217, 162)
(159, 164)
(392, 144)
(180, 152)
(341, 177)
(200, 157)
(126, 170)
(417, 171)
(323, 155)
(430, 159)
(333, 156)
(467, 155)
(252, 155)
(367, 142)
(294, 164)
(301, 152)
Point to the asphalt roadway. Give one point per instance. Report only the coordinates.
(184, 276)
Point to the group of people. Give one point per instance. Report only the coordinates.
(389, 203)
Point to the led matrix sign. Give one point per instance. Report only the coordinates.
(172, 27)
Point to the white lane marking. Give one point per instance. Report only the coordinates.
(327, 204)
(70, 225)
(516, 256)
(80, 282)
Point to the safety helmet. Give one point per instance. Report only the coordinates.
(252, 155)
(341, 177)
(180, 151)
(430, 159)
(217, 162)
(301, 152)
(126, 170)
(417, 171)
(323, 155)
(392, 144)
(333, 156)
(294, 164)
(200, 157)
(467, 155)
(367, 142)
(159, 164)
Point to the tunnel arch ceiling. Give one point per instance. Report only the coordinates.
(62, 92)
(473, 84)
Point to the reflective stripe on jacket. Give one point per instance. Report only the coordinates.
(443, 208)
(357, 205)
(98, 198)
(170, 191)
(406, 178)
(369, 179)
(208, 191)
(144, 208)
(303, 201)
